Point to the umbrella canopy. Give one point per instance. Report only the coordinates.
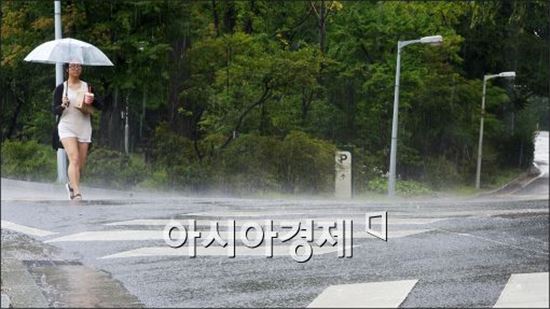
(68, 50)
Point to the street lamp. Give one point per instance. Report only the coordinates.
(432, 40)
(61, 155)
(480, 146)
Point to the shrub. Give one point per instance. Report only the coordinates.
(441, 173)
(366, 165)
(249, 164)
(306, 164)
(402, 187)
(28, 160)
(171, 149)
(195, 176)
(157, 180)
(114, 169)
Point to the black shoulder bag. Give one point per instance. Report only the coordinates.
(56, 143)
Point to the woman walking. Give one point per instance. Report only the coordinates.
(75, 126)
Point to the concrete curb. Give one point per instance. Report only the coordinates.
(533, 173)
(19, 287)
(36, 275)
(513, 181)
(540, 175)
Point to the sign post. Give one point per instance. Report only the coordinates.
(342, 183)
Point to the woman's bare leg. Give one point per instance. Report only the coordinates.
(83, 152)
(71, 147)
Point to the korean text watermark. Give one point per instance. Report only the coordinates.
(299, 237)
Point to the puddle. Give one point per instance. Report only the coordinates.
(71, 284)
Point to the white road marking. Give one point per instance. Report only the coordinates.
(525, 290)
(110, 236)
(358, 218)
(25, 229)
(140, 235)
(388, 294)
(142, 222)
(245, 213)
(223, 222)
(215, 251)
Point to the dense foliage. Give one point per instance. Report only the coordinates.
(257, 95)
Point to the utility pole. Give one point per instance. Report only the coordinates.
(126, 128)
(61, 155)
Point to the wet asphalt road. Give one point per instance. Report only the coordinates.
(462, 252)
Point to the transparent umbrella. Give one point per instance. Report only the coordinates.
(68, 50)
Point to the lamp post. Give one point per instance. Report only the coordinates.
(480, 146)
(126, 128)
(432, 40)
(61, 155)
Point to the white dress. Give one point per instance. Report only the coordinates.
(73, 122)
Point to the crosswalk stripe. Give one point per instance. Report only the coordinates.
(110, 236)
(141, 235)
(356, 221)
(25, 229)
(525, 290)
(245, 213)
(214, 251)
(142, 222)
(388, 294)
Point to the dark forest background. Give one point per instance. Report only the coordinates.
(255, 96)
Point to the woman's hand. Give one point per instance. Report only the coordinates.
(89, 98)
(65, 102)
